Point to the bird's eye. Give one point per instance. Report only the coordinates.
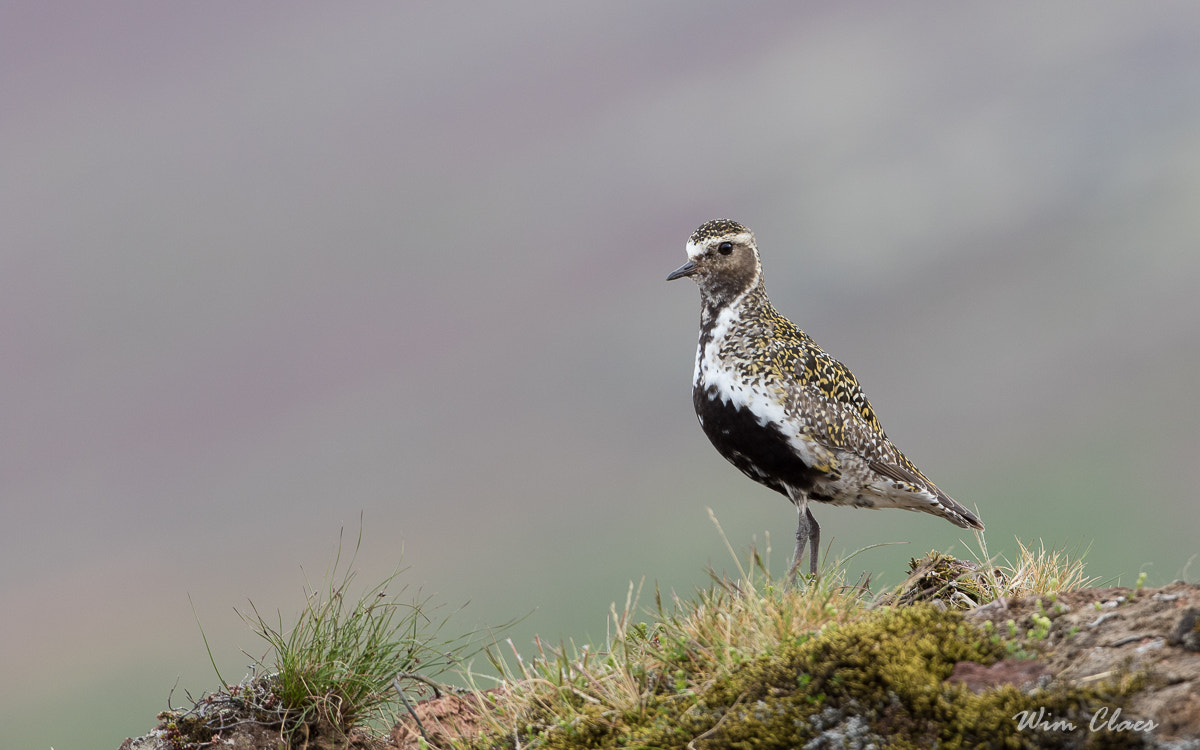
(725, 248)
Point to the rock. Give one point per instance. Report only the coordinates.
(1025, 674)
(1187, 631)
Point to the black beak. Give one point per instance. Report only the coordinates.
(687, 269)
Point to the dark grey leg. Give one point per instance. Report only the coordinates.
(801, 540)
(803, 531)
(814, 539)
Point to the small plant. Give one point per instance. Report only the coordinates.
(338, 667)
(1041, 627)
(337, 663)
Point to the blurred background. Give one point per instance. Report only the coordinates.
(268, 268)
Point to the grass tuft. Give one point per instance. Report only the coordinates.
(336, 665)
(1035, 572)
(965, 583)
(339, 667)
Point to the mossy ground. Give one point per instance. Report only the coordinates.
(750, 664)
(880, 679)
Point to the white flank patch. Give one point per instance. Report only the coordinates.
(766, 406)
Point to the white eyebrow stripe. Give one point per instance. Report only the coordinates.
(695, 251)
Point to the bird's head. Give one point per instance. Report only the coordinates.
(722, 260)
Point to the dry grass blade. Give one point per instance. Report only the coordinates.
(965, 583)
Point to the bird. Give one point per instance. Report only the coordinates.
(780, 409)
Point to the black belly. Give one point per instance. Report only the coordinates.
(760, 452)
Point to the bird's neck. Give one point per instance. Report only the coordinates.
(740, 305)
(736, 318)
(720, 320)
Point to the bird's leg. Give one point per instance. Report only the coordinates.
(814, 539)
(802, 532)
(801, 540)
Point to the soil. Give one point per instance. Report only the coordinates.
(1097, 633)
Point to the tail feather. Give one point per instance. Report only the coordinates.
(950, 509)
(958, 515)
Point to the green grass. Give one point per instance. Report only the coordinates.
(338, 667)
(336, 664)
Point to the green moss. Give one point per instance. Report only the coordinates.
(880, 678)
(886, 672)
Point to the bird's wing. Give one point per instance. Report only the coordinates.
(822, 393)
(904, 476)
(831, 415)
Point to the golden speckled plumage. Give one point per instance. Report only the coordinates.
(780, 408)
